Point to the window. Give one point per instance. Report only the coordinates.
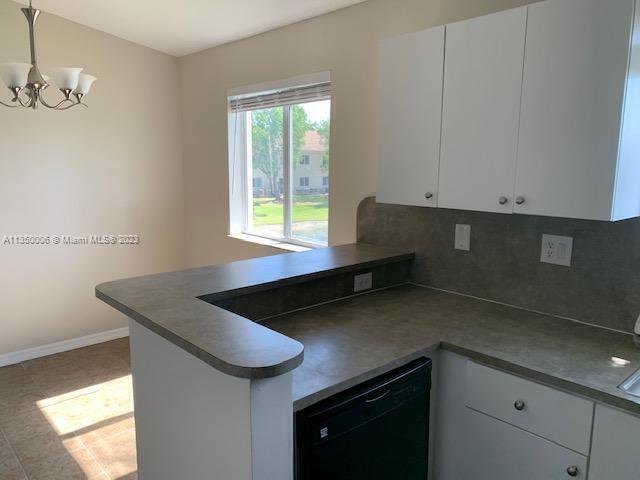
(325, 181)
(267, 130)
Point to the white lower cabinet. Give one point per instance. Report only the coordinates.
(491, 425)
(495, 450)
(615, 451)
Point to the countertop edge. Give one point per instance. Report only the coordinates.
(208, 358)
(594, 395)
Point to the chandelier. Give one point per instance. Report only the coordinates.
(27, 84)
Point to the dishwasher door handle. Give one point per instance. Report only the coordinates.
(380, 397)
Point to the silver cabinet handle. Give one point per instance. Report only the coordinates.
(572, 471)
(519, 405)
(503, 200)
(520, 200)
(428, 195)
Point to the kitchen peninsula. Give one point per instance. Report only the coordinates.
(217, 390)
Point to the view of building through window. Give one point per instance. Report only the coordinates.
(307, 161)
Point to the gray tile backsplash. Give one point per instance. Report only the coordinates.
(602, 286)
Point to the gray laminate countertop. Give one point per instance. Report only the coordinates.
(169, 304)
(352, 340)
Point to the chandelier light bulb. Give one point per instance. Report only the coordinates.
(65, 78)
(15, 75)
(84, 84)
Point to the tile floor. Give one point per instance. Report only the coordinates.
(69, 416)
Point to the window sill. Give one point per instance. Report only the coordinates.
(289, 247)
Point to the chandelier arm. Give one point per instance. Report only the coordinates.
(24, 104)
(71, 106)
(54, 107)
(8, 105)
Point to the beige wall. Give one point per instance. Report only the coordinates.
(114, 168)
(344, 42)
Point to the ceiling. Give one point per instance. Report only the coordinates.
(180, 27)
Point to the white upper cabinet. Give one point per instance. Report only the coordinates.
(539, 108)
(481, 109)
(576, 156)
(410, 105)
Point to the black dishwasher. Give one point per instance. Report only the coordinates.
(378, 430)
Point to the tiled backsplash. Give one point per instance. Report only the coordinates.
(602, 286)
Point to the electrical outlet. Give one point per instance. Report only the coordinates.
(463, 237)
(556, 250)
(363, 282)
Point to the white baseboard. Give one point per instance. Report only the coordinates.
(63, 346)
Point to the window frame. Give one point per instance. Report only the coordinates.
(242, 152)
(241, 177)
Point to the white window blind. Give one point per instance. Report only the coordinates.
(277, 98)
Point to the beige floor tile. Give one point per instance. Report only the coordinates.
(35, 426)
(131, 476)
(52, 364)
(106, 429)
(53, 409)
(57, 387)
(5, 449)
(18, 393)
(94, 410)
(18, 402)
(10, 469)
(116, 454)
(78, 465)
(11, 374)
(69, 374)
(62, 384)
(34, 449)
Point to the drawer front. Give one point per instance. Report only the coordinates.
(552, 414)
(495, 450)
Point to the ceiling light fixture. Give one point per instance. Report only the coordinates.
(27, 84)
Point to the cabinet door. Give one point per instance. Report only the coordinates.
(481, 108)
(495, 450)
(575, 67)
(615, 453)
(410, 107)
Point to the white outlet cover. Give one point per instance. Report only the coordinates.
(363, 282)
(556, 250)
(463, 237)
